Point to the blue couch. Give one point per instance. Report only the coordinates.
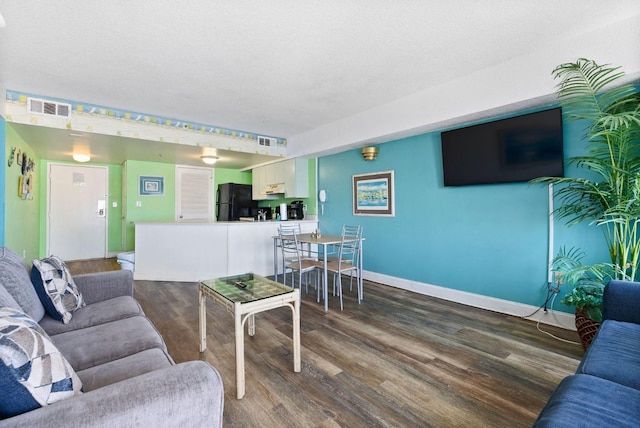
(605, 391)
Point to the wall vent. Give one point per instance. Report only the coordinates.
(266, 141)
(47, 107)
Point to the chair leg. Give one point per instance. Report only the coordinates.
(340, 289)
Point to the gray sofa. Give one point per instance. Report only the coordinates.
(605, 391)
(128, 377)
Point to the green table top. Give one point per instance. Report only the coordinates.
(245, 288)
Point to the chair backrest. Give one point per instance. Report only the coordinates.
(352, 231)
(289, 229)
(349, 248)
(289, 240)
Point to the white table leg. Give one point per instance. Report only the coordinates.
(296, 332)
(203, 320)
(252, 325)
(239, 352)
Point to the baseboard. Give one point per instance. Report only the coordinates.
(555, 318)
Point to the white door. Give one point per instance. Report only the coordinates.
(194, 194)
(77, 207)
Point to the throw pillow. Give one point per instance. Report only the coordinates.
(56, 289)
(33, 373)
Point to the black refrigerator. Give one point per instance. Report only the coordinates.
(234, 201)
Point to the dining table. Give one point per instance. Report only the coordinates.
(324, 242)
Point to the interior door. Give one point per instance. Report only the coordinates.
(77, 212)
(194, 194)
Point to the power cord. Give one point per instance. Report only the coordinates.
(551, 334)
(552, 292)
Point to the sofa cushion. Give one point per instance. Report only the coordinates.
(124, 368)
(55, 287)
(613, 354)
(92, 346)
(14, 276)
(583, 400)
(33, 373)
(7, 299)
(94, 314)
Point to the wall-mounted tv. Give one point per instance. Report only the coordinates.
(510, 150)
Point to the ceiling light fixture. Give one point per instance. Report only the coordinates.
(80, 157)
(209, 160)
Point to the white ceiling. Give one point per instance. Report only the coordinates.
(285, 68)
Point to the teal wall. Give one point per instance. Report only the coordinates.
(490, 240)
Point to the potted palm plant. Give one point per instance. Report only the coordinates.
(608, 196)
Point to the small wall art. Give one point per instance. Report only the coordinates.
(150, 186)
(373, 194)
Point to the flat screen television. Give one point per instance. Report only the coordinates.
(516, 149)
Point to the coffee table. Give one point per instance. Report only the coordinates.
(244, 296)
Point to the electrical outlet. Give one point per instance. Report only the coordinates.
(114, 205)
(138, 203)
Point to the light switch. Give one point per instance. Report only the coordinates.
(138, 203)
(114, 205)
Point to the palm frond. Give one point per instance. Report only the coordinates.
(581, 89)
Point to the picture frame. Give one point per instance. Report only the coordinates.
(373, 194)
(150, 185)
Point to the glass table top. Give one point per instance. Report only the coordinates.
(245, 288)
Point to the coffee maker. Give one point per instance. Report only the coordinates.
(296, 210)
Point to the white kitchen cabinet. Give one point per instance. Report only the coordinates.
(296, 177)
(294, 173)
(260, 179)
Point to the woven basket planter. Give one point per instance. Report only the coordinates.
(587, 328)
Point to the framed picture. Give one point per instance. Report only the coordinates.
(150, 186)
(373, 194)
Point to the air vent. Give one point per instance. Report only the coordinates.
(49, 108)
(266, 141)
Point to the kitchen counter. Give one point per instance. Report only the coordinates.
(192, 251)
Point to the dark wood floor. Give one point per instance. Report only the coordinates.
(399, 359)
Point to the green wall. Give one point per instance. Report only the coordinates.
(2, 178)
(223, 175)
(25, 221)
(22, 216)
(152, 208)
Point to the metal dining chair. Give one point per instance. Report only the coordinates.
(355, 232)
(345, 262)
(293, 260)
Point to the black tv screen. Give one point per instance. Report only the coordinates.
(510, 150)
